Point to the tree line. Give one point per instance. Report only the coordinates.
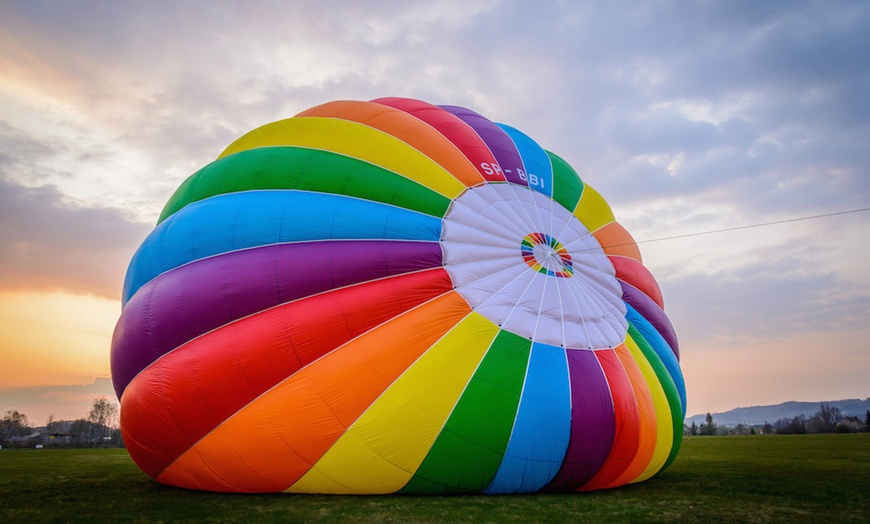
(828, 419)
(99, 428)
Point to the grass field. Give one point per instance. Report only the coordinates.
(781, 478)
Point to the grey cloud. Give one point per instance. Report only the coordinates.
(47, 244)
(770, 298)
(785, 75)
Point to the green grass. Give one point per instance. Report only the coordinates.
(782, 478)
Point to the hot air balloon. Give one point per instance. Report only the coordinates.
(393, 297)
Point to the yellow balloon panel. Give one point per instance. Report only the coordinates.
(592, 209)
(411, 412)
(664, 431)
(354, 140)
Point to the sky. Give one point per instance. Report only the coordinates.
(689, 117)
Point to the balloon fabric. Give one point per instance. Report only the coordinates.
(394, 297)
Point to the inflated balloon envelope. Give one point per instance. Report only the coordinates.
(393, 296)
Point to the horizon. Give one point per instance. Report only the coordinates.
(728, 137)
(78, 398)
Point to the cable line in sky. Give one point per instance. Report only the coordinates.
(748, 226)
(762, 224)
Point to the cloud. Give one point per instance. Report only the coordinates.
(765, 300)
(652, 100)
(665, 99)
(161, 90)
(66, 402)
(48, 244)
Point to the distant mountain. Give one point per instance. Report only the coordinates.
(756, 415)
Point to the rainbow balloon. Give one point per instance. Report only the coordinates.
(393, 296)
